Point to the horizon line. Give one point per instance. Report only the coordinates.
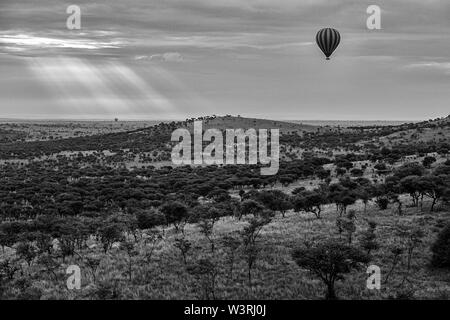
(183, 119)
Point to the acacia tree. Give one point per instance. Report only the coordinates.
(176, 213)
(206, 228)
(369, 238)
(183, 246)
(365, 191)
(396, 256)
(309, 201)
(8, 268)
(207, 217)
(10, 231)
(110, 233)
(255, 224)
(343, 202)
(411, 238)
(441, 249)
(231, 245)
(250, 207)
(275, 200)
(205, 272)
(151, 238)
(249, 235)
(409, 169)
(342, 195)
(411, 185)
(26, 251)
(433, 187)
(149, 219)
(131, 252)
(347, 224)
(330, 261)
(251, 255)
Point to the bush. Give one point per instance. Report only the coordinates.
(441, 249)
(356, 172)
(380, 167)
(382, 203)
(428, 161)
(149, 219)
(369, 238)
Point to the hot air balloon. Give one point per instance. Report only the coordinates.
(328, 40)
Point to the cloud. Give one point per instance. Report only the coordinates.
(180, 25)
(246, 55)
(22, 42)
(165, 57)
(431, 65)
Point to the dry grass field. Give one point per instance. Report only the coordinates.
(163, 274)
(163, 263)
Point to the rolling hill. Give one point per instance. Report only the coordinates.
(230, 122)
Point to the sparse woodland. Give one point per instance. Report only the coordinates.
(139, 228)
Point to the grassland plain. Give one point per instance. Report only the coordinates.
(81, 179)
(163, 275)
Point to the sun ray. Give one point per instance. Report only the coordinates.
(146, 92)
(109, 88)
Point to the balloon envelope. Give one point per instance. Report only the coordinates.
(328, 40)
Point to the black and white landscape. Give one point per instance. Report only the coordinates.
(93, 205)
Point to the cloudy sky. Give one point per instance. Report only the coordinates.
(171, 59)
